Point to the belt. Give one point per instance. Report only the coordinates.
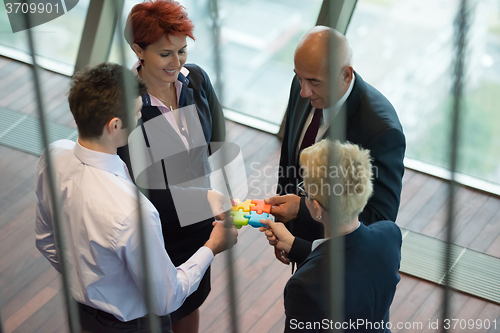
(111, 320)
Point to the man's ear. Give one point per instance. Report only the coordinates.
(113, 126)
(347, 74)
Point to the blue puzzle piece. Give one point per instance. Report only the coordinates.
(254, 219)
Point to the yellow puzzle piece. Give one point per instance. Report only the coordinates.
(245, 205)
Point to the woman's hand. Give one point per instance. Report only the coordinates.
(278, 235)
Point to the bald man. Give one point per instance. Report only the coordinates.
(371, 122)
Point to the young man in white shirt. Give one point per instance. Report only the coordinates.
(100, 219)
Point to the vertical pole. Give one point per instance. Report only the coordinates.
(71, 308)
(461, 27)
(335, 273)
(130, 92)
(336, 14)
(233, 306)
(98, 32)
(1, 325)
(214, 13)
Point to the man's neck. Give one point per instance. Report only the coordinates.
(97, 145)
(345, 93)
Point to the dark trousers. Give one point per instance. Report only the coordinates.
(97, 321)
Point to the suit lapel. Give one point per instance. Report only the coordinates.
(191, 124)
(183, 99)
(352, 104)
(298, 121)
(193, 119)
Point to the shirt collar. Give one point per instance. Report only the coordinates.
(318, 242)
(334, 110)
(103, 161)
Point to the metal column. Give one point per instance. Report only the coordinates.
(460, 39)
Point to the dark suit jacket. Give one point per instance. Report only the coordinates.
(372, 123)
(182, 242)
(372, 257)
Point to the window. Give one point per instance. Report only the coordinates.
(57, 40)
(258, 41)
(405, 49)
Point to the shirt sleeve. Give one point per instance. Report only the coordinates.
(44, 233)
(170, 285)
(300, 250)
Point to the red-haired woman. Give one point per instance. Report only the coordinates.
(157, 32)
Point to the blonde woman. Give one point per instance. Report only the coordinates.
(372, 253)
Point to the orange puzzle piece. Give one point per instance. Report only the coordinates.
(261, 207)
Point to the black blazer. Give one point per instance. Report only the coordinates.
(372, 257)
(372, 123)
(182, 242)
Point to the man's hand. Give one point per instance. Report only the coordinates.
(219, 203)
(284, 207)
(221, 238)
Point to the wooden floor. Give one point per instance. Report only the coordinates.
(30, 294)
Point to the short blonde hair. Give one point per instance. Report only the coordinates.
(353, 172)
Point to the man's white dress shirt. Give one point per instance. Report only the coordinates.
(101, 233)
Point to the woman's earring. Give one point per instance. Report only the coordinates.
(141, 62)
(319, 217)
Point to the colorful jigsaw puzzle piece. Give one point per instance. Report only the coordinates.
(254, 219)
(239, 219)
(244, 205)
(260, 207)
(250, 212)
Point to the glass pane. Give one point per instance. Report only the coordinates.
(57, 40)
(405, 49)
(258, 41)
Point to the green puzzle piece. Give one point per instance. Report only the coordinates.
(239, 218)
